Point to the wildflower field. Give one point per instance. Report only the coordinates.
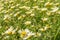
(29, 19)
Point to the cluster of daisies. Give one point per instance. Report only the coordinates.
(29, 19)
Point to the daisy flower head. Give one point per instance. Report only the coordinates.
(32, 15)
(36, 7)
(43, 9)
(25, 34)
(7, 18)
(25, 7)
(9, 31)
(27, 23)
(42, 29)
(37, 34)
(48, 4)
(48, 13)
(44, 19)
(55, 9)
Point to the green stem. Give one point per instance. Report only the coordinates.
(56, 33)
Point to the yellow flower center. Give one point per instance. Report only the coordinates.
(9, 32)
(23, 34)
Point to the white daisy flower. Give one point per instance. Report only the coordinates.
(55, 9)
(28, 12)
(41, 29)
(20, 17)
(6, 37)
(6, 17)
(36, 7)
(44, 19)
(48, 13)
(13, 31)
(58, 12)
(37, 34)
(9, 31)
(43, 9)
(25, 34)
(56, 4)
(25, 7)
(27, 23)
(47, 27)
(12, 6)
(48, 4)
(16, 14)
(32, 15)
